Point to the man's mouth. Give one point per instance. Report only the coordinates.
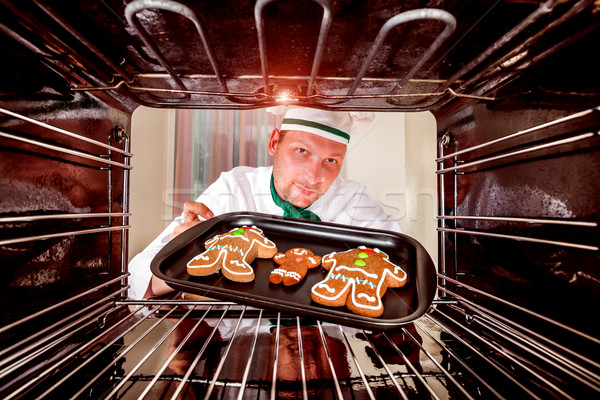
(304, 190)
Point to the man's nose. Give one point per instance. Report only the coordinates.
(314, 172)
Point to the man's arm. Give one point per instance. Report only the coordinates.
(143, 283)
(220, 197)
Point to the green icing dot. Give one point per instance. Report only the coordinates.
(360, 263)
(363, 255)
(238, 232)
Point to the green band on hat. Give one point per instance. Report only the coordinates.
(316, 125)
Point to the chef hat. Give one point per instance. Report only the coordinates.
(333, 125)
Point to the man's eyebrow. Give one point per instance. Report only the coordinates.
(300, 143)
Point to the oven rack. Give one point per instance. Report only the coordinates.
(187, 90)
(118, 348)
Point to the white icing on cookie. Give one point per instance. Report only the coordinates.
(294, 275)
(361, 270)
(326, 287)
(248, 269)
(366, 296)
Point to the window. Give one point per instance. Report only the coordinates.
(208, 142)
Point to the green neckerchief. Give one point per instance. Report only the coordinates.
(290, 210)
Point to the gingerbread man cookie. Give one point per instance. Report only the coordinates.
(232, 253)
(294, 265)
(358, 279)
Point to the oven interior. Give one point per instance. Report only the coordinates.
(515, 92)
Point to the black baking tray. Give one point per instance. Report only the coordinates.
(401, 305)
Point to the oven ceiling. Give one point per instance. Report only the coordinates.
(346, 54)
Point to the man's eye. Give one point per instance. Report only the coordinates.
(301, 151)
(331, 161)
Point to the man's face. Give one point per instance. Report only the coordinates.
(304, 165)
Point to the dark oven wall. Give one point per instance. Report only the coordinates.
(520, 209)
(63, 182)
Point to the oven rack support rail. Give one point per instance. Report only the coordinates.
(446, 90)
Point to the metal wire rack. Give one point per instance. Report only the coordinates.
(202, 349)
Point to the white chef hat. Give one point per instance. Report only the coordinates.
(333, 125)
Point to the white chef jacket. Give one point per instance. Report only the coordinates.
(249, 189)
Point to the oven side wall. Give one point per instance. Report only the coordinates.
(520, 209)
(64, 197)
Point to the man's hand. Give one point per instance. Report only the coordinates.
(193, 213)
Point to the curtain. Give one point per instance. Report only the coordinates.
(208, 142)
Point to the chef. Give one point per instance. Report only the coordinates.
(304, 182)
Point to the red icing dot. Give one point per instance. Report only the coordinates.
(369, 251)
(298, 259)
